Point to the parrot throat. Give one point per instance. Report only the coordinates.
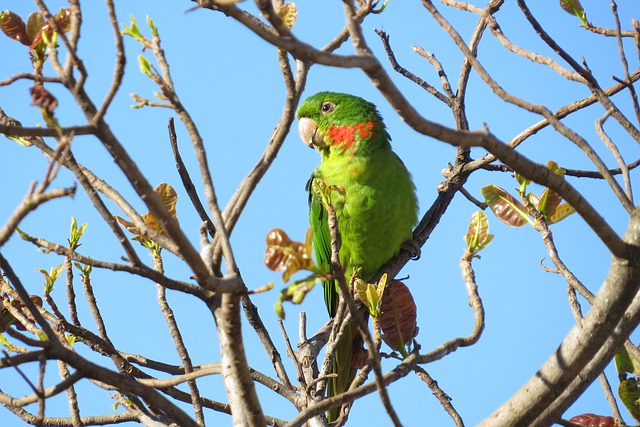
(345, 137)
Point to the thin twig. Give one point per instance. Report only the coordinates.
(409, 75)
(118, 69)
(29, 204)
(72, 396)
(251, 313)
(442, 397)
(178, 342)
(292, 355)
(187, 182)
(613, 149)
(625, 63)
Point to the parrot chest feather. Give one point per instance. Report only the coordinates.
(377, 211)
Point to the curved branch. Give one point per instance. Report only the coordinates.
(29, 204)
(561, 113)
(531, 170)
(11, 130)
(121, 60)
(587, 347)
(245, 407)
(400, 371)
(591, 81)
(289, 43)
(139, 270)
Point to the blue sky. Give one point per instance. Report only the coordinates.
(230, 82)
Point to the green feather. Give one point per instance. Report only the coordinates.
(376, 212)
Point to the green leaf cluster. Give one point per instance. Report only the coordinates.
(146, 68)
(75, 234)
(50, 277)
(629, 388)
(371, 294)
(35, 33)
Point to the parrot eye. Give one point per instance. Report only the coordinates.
(327, 107)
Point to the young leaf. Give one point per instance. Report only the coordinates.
(5, 343)
(505, 207)
(323, 191)
(523, 183)
(13, 27)
(42, 34)
(398, 316)
(478, 236)
(129, 226)
(84, 270)
(76, 233)
(63, 19)
(50, 277)
(132, 30)
(629, 388)
(35, 22)
(548, 203)
(629, 392)
(145, 65)
(625, 364)
(382, 7)
(71, 339)
(296, 292)
(550, 200)
(571, 6)
(371, 295)
(42, 98)
(283, 254)
(555, 168)
(152, 26)
(288, 13)
(574, 7)
(11, 320)
(561, 212)
(169, 197)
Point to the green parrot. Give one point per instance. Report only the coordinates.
(376, 205)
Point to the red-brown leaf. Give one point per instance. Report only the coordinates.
(275, 258)
(593, 420)
(43, 98)
(398, 316)
(506, 208)
(35, 22)
(283, 254)
(13, 26)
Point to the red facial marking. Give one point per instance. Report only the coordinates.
(345, 136)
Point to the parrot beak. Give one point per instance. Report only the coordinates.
(310, 133)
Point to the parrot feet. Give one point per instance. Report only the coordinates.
(413, 248)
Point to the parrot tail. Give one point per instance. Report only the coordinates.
(347, 359)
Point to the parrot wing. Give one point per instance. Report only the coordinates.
(322, 245)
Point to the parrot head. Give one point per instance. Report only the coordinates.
(335, 122)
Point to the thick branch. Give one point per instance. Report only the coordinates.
(585, 350)
(245, 407)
